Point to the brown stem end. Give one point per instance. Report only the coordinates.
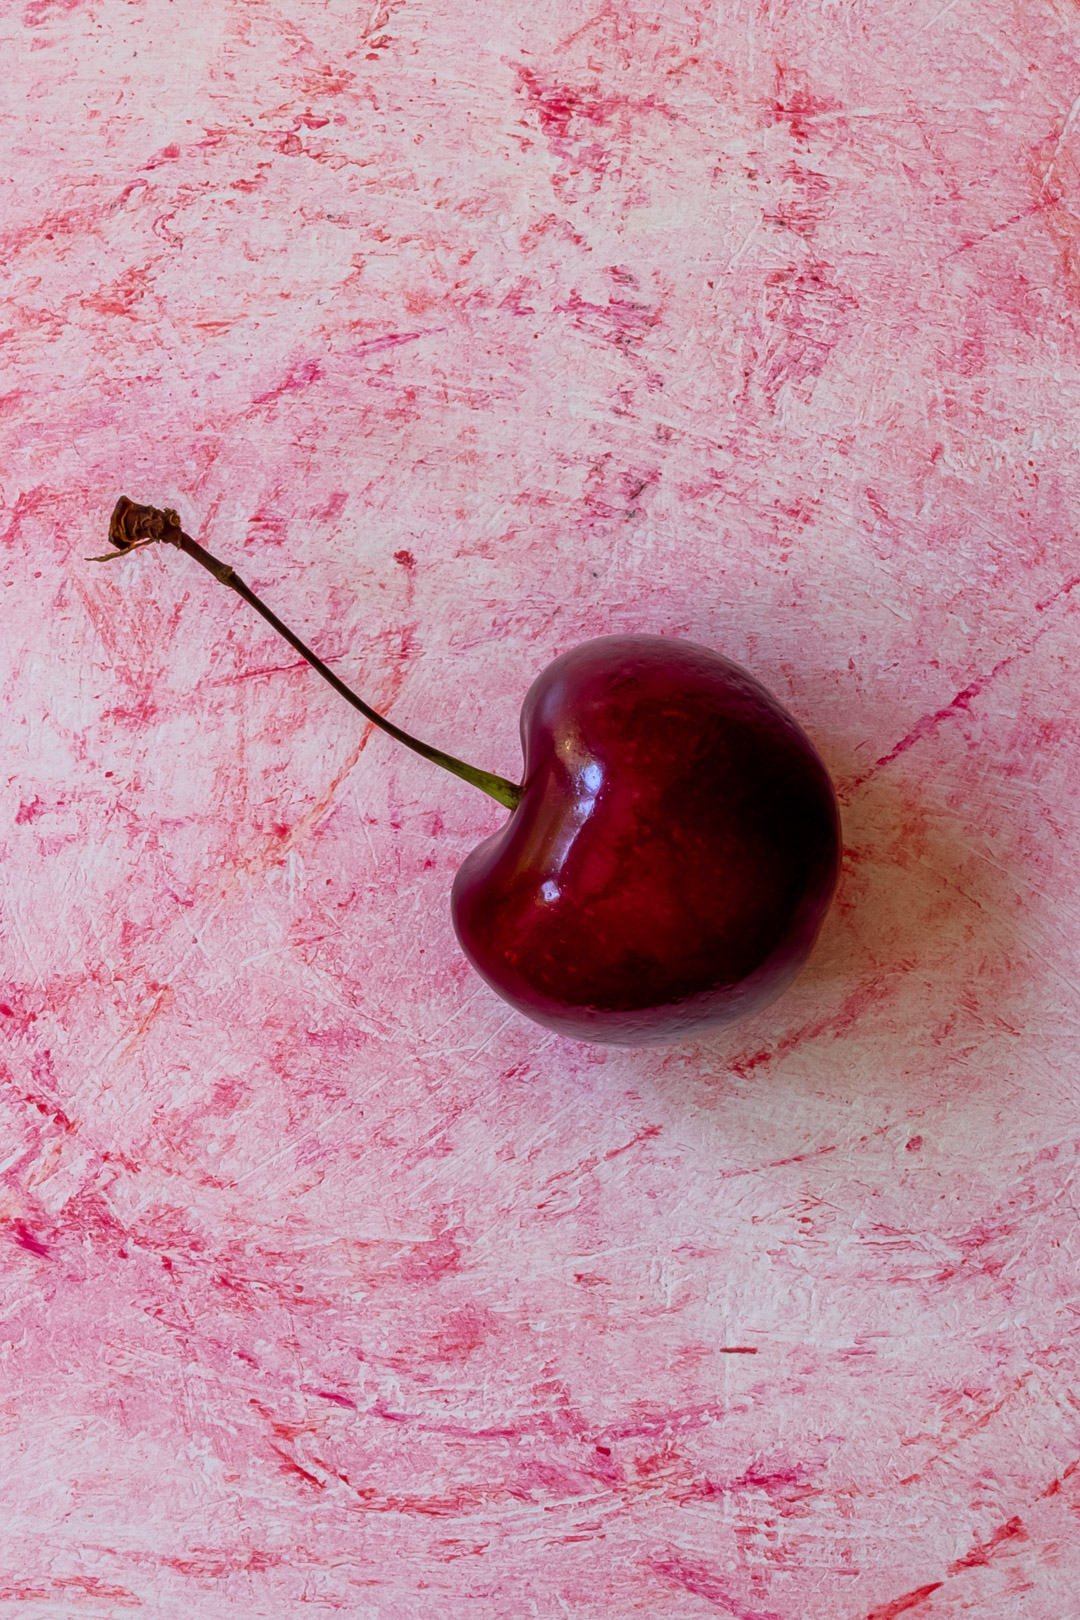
(132, 526)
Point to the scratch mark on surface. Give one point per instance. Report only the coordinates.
(933, 21)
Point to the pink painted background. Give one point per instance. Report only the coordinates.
(467, 331)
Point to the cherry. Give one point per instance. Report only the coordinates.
(670, 855)
(673, 854)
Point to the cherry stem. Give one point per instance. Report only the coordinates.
(132, 526)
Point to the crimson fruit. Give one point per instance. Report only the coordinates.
(671, 858)
(669, 855)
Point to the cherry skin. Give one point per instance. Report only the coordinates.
(672, 856)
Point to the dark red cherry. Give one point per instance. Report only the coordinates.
(673, 853)
(670, 854)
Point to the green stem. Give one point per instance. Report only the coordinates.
(133, 525)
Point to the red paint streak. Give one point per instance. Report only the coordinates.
(267, 527)
(972, 1243)
(1055, 1485)
(392, 340)
(76, 222)
(26, 1240)
(452, 1505)
(23, 1020)
(982, 1552)
(807, 315)
(212, 1565)
(644, 1135)
(697, 1578)
(128, 1164)
(50, 1110)
(456, 1548)
(995, 230)
(162, 229)
(928, 723)
(805, 208)
(1056, 596)
(613, 492)
(71, 1585)
(963, 700)
(777, 1164)
(784, 1486)
(267, 669)
(430, 1262)
(851, 1012)
(794, 104)
(562, 1424)
(967, 1430)
(301, 376)
(121, 296)
(584, 1167)
(799, 1158)
(621, 321)
(776, 1479)
(333, 507)
(461, 1333)
(27, 505)
(41, 11)
(682, 1419)
(559, 106)
(561, 228)
(900, 1605)
(586, 129)
(135, 715)
(290, 1466)
(169, 154)
(463, 1432)
(87, 1215)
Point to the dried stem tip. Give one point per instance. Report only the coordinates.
(131, 524)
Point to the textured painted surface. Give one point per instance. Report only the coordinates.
(467, 332)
